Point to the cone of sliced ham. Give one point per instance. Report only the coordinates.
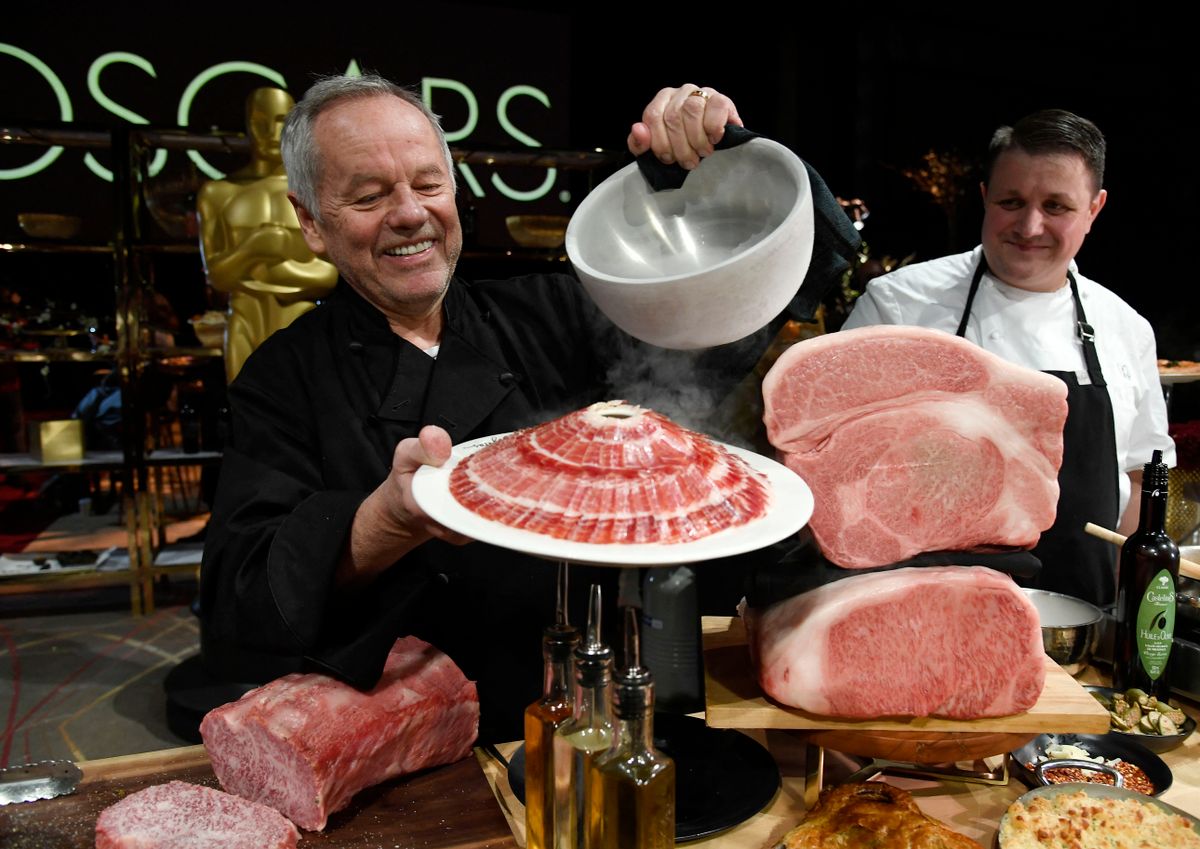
(611, 473)
(914, 440)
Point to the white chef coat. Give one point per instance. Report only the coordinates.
(1037, 329)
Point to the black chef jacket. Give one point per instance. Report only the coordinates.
(317, 412)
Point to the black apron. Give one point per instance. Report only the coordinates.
(1073, 562)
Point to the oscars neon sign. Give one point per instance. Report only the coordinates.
(433, 89)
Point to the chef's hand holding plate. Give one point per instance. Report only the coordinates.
(389, 523)
(681, 125)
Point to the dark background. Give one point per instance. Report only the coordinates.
(861, 96)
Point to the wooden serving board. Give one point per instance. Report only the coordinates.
(449, 807)
(735, 700)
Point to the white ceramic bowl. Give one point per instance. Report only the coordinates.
(704, 264)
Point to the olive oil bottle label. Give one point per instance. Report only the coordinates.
(1156, 624)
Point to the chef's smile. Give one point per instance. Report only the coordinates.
(410, 250)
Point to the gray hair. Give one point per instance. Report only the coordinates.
(301, 154)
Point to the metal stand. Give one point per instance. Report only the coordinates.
(814, 772)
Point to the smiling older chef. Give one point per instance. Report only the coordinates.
(317, 555)
(1020, 296)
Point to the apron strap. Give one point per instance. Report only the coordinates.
(979, 269)
(1087, 337)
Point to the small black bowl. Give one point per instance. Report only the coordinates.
(1107, 746)
(1154, 742)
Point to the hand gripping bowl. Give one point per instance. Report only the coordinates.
(704, 264)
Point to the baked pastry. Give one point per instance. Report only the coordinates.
(871, 814)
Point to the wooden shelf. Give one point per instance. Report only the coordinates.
(55, 579)
(54, 248)
(56, 355)
(99, 461)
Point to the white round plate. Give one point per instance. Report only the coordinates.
(1169, 378)
(788, 511)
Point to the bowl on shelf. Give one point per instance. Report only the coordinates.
(47, 225)
(209, 328)
(537, 231)
(1070, 628)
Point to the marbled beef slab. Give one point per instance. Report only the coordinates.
(178, 815)
(914, 440)
(961, 642)
(306, 743)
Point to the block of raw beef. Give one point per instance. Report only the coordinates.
(306, 743)
(914, 440)
(961, 642)
(178, 815)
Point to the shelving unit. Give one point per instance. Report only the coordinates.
(131, 356)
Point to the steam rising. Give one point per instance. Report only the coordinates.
(713, 391)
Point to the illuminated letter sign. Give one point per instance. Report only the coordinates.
(93, 80)
(527, 140)
(64, 111)
(193, 88)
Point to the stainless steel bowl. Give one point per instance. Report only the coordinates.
(704, 264)
(1070, 628)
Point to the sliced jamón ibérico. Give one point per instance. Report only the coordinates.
(611, 473)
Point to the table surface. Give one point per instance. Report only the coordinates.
(971, 809)
(452, 807)
(449, 807)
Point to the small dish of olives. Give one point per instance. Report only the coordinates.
(1157, 726)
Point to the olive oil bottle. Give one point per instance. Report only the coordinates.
(542, 718)
(631, 788)
(1145, 609)
(586, 735)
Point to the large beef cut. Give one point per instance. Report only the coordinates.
(178, 815)
(961, 642)
(914, 440)
(611, 473)
(305, 743)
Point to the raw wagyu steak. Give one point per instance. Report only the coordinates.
(914, 440)
(961, 642)
(305, 743)
(611, 473)
(178, 815)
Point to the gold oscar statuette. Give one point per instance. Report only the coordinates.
(251, 242)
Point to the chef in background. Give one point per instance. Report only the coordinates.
(317, 556)
(1021, 296)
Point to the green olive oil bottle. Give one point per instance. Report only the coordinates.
(1145, 609)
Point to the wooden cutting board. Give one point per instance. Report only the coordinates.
(449, 807)
(735, 700)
